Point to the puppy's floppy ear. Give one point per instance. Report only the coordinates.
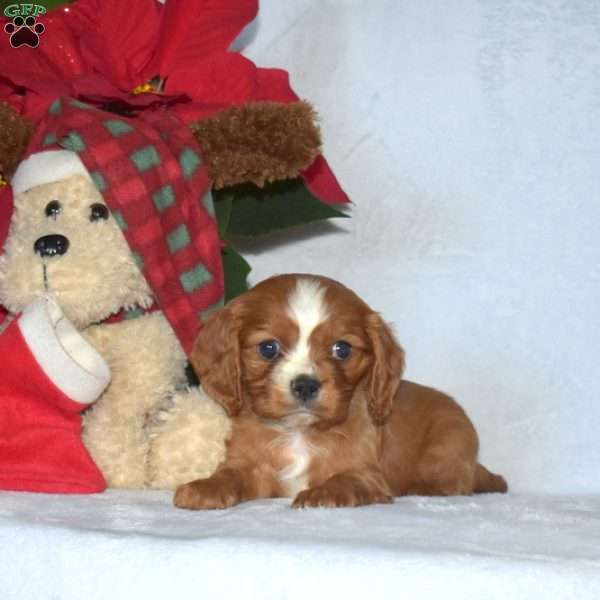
(386, 372)
(216, 358)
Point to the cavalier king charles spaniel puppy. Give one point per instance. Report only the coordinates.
(312, 380)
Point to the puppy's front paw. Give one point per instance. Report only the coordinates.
(331, 496)
(206, 494)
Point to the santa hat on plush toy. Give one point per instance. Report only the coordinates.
(46, 167)
(150, 173)
(50, 374)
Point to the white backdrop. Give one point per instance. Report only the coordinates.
(467, 134)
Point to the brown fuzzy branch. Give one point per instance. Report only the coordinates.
(15, 132)
(259, 142)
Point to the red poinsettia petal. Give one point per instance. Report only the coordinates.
(321, 181)
(190, 112)
(23, 66)
(226, 78)
(60, 44)
(274, 84)
(33, 103)
(43, 73)
(192, 31)
(117, 38)
(94, 84)
(57, 53)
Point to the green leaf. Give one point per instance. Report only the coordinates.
(256, 211)
(236, 271)
(223, 202)
(53, 3)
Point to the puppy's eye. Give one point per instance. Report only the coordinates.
(53, 209)
(98, 211)
(341, 350)
(269, 349)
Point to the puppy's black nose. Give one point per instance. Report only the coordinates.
(51, 245)
(305, 388)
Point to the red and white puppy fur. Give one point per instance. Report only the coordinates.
(312, 379)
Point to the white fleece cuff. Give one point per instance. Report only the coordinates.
(67, 358)
(48, 166)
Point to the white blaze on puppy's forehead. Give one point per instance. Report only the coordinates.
(307, 308)
(306, 305)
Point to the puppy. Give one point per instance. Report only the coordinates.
(312, 379)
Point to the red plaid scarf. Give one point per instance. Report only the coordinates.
(150, 173)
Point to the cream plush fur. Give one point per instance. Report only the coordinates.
(148, 428)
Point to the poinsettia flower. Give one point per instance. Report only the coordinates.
(184, 50)
(179, 56)
(113, 48)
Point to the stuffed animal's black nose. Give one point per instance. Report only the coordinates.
(51, 245)
(305, 388)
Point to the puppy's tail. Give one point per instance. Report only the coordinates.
(485, 481)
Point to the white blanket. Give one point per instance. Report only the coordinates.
(136, 545)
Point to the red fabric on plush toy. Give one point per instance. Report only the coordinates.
(50, 374)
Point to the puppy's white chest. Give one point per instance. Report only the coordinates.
(296, 454)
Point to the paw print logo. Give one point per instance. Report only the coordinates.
(24, 31)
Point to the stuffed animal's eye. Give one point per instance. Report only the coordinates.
(98, 211)
(341, 350)
(269, 349)
(53, 209)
